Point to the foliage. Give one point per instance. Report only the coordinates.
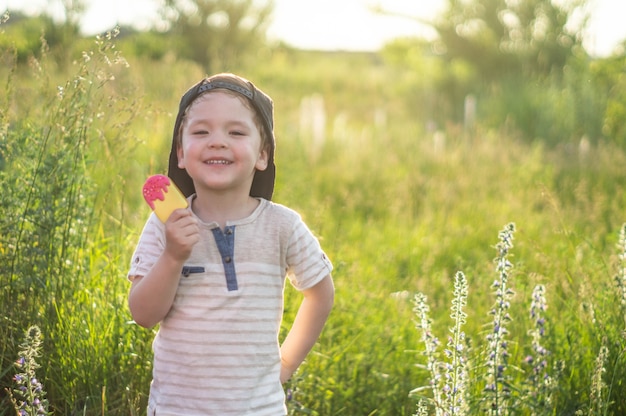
(152, 46)
(24, 37)
(524, 65)
(53, 249)
(581, 102)
(529, 38)
(217, 33)
(25, 34)
(607, 76)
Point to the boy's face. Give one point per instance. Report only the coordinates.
(221, 144)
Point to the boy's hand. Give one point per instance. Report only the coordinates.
(306, 328)
(151, 296)
(181, 234)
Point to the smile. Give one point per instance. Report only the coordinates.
(218, 162)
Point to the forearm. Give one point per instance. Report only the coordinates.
(152, 295)
(307, 327)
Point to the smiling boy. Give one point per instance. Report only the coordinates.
(213, 275)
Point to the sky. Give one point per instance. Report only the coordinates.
(331, 24)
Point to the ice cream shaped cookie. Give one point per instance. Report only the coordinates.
(163, 196)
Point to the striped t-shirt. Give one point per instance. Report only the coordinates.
(217, 350)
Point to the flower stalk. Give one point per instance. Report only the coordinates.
(497, 389)
(28, 395)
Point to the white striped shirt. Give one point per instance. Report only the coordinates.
(217, 351)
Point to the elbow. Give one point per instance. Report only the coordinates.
(140, 317)
(331, 302)
(143, 322)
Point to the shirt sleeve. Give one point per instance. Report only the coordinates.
(307, 264)
(150, 246)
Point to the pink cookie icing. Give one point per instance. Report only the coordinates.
(155, 188)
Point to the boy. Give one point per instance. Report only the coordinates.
(213, 275)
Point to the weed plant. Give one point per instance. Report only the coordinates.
(531, 390)
(59, 264)
(28, 395)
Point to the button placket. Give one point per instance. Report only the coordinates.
(226, 245)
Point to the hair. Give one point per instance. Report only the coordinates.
(265, 139)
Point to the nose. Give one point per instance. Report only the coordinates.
(217, 140)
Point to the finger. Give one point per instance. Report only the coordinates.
(179, 213)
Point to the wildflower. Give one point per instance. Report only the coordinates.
(422, 311)
(620, 278)
(456, 368)
(539, 384)
(422, 409)
(292, 396)
(497, 344)
(28, 396)
(598, 386)
(448, 379)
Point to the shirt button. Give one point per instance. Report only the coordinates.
(227, 259)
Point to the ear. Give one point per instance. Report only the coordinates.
(262, 161)
(180, 156)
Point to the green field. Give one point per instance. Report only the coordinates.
(399, 208)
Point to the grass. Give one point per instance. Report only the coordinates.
(397, 214)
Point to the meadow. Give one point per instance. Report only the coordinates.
(400, 210)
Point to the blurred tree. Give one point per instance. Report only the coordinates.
(23, 35)
(26, 34)
(522, 60)
(217, 33)
(504, 38)
(66, 34)
(609, 78)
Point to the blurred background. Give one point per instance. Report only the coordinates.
(409, 133)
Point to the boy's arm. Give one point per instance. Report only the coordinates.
(307, 327)
(151, 296)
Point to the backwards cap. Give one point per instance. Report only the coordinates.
(263, 182)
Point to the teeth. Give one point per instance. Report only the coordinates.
(218, 162)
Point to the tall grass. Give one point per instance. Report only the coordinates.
(59, 264)
(397, 214)
(404, 217)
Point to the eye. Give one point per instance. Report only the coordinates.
(237, 133)
(199, 132)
